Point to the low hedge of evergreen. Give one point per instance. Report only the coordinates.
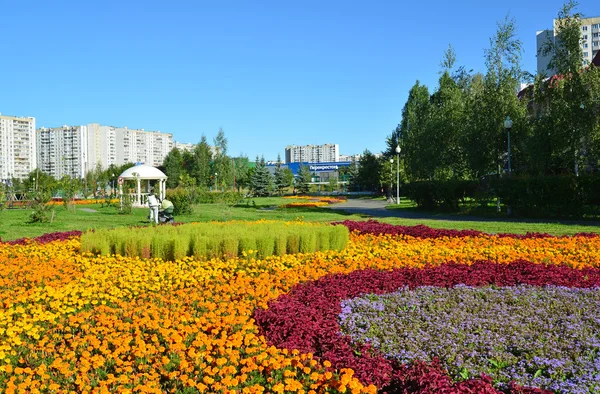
(556, 195)
(216, 240)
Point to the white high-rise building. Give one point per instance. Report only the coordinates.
(590, 43)
(101, 147)
(139, 146)
(312, 153)
(184, 146)
(17, 147)
(75, 150)
(63, 151)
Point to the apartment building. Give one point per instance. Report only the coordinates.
(75, 150)
(140, 146)
(590, 43)
(312, 153)
(101, 146)
(17, 147)
(184, 146)
(63, 151)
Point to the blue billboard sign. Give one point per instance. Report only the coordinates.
(315, 167)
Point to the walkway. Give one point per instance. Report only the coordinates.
(376, 208)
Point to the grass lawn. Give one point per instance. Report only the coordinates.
(13, 222)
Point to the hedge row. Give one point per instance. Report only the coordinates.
(560, 195)
(216, 240)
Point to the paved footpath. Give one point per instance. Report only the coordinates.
(376, 208)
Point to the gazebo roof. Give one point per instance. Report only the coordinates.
(145, 172)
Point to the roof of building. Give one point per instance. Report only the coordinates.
(596, 60)
(143, 171)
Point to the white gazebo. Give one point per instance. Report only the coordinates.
(140, 173)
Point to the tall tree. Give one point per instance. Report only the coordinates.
(173, 167)
(221, 162)
(446, 129)
(241, 172)
(261, 183)
(201, 169)
(369, 172)
(414, 142)
(303, 180)
(490, 103)
(564, 128)
(281, 181)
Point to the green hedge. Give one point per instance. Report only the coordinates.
(216, 240)
(446, 194)
(558, 195)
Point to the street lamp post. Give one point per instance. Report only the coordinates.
(398, 174)
(508, 123)
(113, 184)
(216, 181)
(391, 178)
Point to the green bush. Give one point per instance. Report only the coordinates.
(182, 199)
(229, 248)
(308, 242)
(280, 247)
(216, 240)
(528, 196)
(265, 245)
(293, 243)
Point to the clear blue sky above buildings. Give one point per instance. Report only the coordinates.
(271, 73)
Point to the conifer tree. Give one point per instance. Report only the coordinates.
(281, 180)
(303, 182)
(261, 182)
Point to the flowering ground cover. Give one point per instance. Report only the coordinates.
(72, 322)
(313, 201)
(540, 337)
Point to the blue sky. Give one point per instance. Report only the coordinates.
(270, 73)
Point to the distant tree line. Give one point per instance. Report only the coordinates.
(205, 168)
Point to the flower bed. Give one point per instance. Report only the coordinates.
(540, 337)
(72, 322)
(317, 200)
(314, 204)
(307, 320)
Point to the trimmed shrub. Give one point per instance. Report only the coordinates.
(229, 248)
(323, 242)
(308, 242)
(280, 248)
(293, 243)
(247, 243)
(199, 246)
(181, 246)
(216, 240)
(265, 244)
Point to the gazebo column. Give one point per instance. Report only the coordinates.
(139, 193)
(163, 182)
(121, 195)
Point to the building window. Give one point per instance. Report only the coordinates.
(585, 36)
(584, 28)
(585, 45)
(585, 54)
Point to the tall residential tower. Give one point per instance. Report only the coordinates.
(312, 153)
(17, 147)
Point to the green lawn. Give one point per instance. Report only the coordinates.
(13, 222)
